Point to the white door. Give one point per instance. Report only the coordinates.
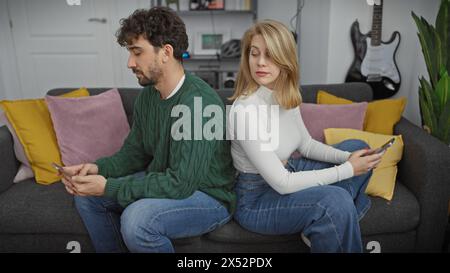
(62, 45)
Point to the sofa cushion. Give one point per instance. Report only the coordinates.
(28, 207)
(381, 116)
(25, 171)
(401, 214)
(128, 96)
(318, 117)
(382, 181)
(31, 121)
(232, 232)
(88, 128)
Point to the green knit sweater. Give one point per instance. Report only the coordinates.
(174, 169)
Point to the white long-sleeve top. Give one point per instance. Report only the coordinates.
(264, 155)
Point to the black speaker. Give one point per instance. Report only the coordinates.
(229, 79)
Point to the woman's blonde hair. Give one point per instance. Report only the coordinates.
(282, 50)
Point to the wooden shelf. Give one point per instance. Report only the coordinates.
(210, 58)
(253, 5)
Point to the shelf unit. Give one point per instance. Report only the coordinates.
(215, 12)
(252, 9)
(211, 68)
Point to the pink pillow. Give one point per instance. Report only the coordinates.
(25, 170)
(88, 128)
(318, 117)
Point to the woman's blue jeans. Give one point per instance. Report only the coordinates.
(327, 215)
(147, 225)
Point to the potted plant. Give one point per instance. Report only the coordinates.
(434, 94)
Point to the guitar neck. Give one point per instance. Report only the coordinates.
(376, 24)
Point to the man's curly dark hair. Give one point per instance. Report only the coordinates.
(159, 25)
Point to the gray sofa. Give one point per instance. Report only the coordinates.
(36, 218)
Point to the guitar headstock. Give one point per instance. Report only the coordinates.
(374, 2)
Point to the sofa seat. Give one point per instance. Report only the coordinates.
(401, 214)
(28, 207)
(234, 233)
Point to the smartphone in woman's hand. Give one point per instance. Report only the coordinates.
(382, 148)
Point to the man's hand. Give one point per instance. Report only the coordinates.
(89, 185)
(76, 170)
(67, 181)
(81, 169)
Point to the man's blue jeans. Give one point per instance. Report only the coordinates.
(147, 225)
(327, 215)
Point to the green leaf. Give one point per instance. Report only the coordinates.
(434, 95)
(443, 89)
(438, 55)
(433, 104)
(427, 44)
(426, 103)
(433, 46)
(426, 115)
(437, 107)
(443, 30)
(427, 93)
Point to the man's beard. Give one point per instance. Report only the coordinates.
(153, 78)
(145, 81)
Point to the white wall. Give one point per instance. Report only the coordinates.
(2, 86)
(282, 11)
(313, 33)
(314, 39)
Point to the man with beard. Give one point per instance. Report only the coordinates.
(158, 186)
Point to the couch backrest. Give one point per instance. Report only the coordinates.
(353, 91)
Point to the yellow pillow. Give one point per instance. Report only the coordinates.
(32, 123)
(383, 178)
(381, 115)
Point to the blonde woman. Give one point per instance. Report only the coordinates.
(320, 195)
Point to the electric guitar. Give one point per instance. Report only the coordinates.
(374, 60)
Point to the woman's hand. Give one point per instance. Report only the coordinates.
(362, 164)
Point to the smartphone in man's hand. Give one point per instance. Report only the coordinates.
(60, 169)
(382, 148)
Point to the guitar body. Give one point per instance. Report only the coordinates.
(375, 65)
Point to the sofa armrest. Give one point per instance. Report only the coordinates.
(425, 169)
(9, 164)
